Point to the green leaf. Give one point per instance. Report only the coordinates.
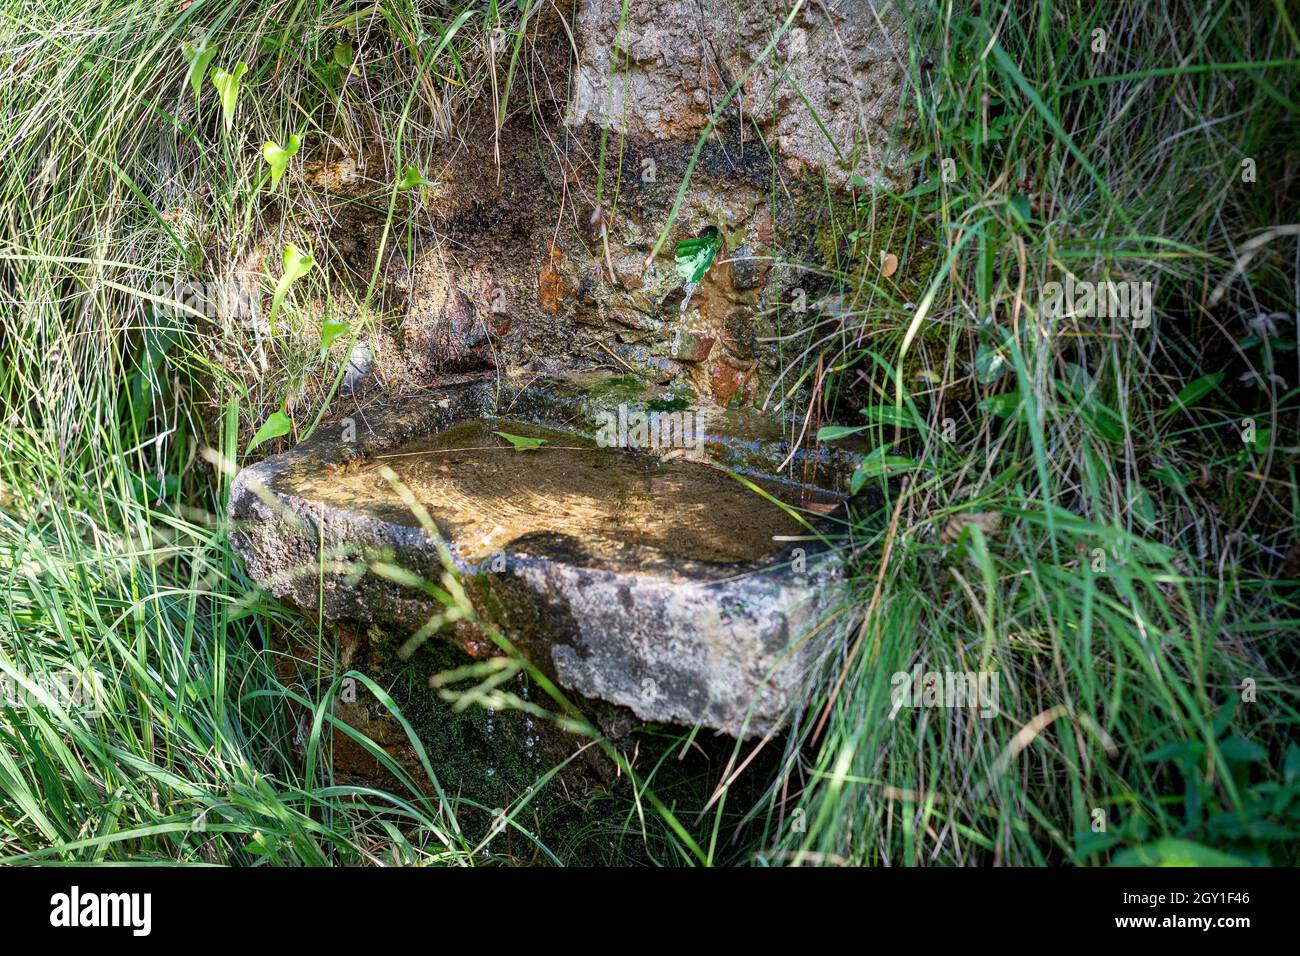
(1079, 386)
(1194, 391)
(343, 54)
(1104, 421)
(832, 432)
(261, 844)
(892, 415)
(1291, 763)
(276, 425)
(1241, 750)
(296, 265)
(1230, 825)
(227, 85)
(1144, 508)
(990, 364)
(151, 488)
(412, 178)
(197, 56)
(1174, 852)
(1223, 715)
(878, 463)
(277, 157)
(694, 256)
(522, 442)
(1002, 406)
(1185, 753)
(1019, 206)
(1170, 476)
(330, 331)
(1087, 843)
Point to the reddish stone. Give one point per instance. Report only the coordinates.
(724, 382)
(550, 283)
(692, 347)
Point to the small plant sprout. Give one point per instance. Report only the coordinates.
(277, 157)
(296, 265)
(197, 58)
(227, 86)
(412, 178)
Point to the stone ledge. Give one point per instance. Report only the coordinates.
(640, 608)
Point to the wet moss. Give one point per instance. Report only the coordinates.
(618, 388)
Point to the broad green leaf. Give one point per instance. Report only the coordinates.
(990, 364)
(412, 178)
(878, 464)
(1183, 752)
(197, 56)
(1242, 750)
(694, 256)
(296, 265)
(1194, 391)
(1230, 825)
(521, 442)
(1174, 852)
(1087, 843)
(277, 424)
(832, 432)
(1291, 763)
(1223, 715)
(1104, 420)
(277, 157)
(261, 844)
(1079, 386)
(1003, 406)
(1019, 206)
(892, 415)
(227, 85)
(330, 331)
(343, 54)
(1170, 476)
(1143, 507)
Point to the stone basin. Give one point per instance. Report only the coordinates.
(682, 583)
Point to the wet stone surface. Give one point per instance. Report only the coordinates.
(613, 505)
(644, 579)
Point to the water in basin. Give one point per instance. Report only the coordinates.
(485, 495)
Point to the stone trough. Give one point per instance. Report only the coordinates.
(676, 577)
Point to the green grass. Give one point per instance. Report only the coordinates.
(1135, 580)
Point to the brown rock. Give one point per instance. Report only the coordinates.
(550, 283)
(724, 382)
(989, 522)
(747, 271)
(742, 339)
(692, 347)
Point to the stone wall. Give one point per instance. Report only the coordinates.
(824, 99)
(544, 261)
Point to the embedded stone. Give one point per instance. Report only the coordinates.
(650, 581)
